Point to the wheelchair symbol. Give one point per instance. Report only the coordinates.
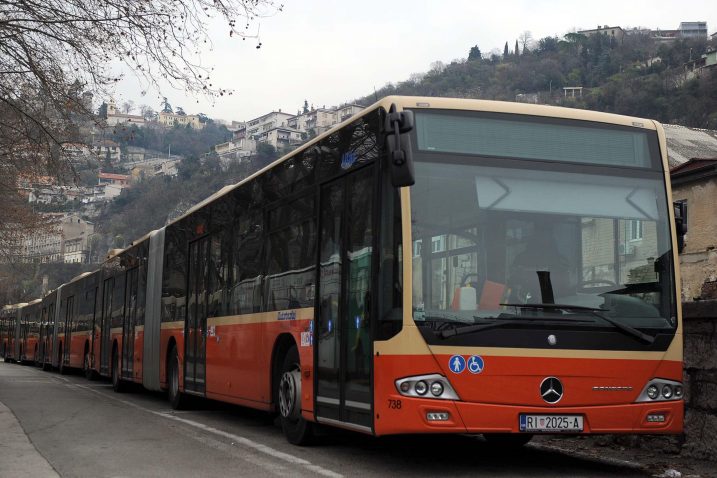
(475, 364)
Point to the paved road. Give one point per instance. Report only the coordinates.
(83, 428)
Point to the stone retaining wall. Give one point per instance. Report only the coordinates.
(700, 376)
(699, 440)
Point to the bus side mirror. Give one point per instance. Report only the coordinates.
(398, 146)
(680, 208)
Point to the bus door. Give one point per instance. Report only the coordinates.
(195, 327)
(91, 299)
(47, 337)
(342, 337)
(129, 322)
(41, 336)
(22, 342)
(67, 341)
(107, 292)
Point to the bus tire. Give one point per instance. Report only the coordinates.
(118, 385)
(177, 399)
(297, 429)
(507, 440)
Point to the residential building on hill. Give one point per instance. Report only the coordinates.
(121, 180)
(262, 124)
(685, 30)
(155, 167)
(114, 117)
(235, 150)
(280, 137)
(106, 148)
(693, 30)
(68, 241)
(345, 112)
(169, 120)
(616, 33)
(282, 130)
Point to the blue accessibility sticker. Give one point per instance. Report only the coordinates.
(457, 364)
(475, 364)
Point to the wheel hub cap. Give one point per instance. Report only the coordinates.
(290, 394)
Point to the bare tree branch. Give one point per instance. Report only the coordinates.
(54, 51)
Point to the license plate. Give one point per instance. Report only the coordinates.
(551, 423)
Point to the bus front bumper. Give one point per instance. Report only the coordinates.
(442, 416)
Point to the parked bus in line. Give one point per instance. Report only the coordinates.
(10, 331)
(7, 330)
(28, 331)
(431, 265)
(47, 334)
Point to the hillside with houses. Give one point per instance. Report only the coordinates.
(134, 169)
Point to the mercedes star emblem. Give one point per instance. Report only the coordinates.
(551, 390)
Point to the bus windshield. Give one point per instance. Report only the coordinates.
(505, 239)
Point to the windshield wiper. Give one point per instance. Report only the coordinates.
(649, 339)
(501, 322)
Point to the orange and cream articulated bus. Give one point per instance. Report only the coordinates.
(428, 266)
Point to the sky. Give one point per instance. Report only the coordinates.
(331, 52)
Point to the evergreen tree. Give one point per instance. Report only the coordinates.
(506, 52)
(102, 112)
(517, 52)
(474, 53)
(166, 107)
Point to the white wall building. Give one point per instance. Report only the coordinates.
(264, 123)
(114, 117)
(67, 241)
(283, 130)
(693, 30)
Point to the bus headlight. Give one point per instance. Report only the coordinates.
(437, 389)
(659, 389)
(667, 392)
(420, 385)
(678, 391)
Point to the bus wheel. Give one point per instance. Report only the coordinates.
(297, 430)
(118, 384)
(507, 440)
(89, 373)
(177, 399)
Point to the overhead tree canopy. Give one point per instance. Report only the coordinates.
(52, 52)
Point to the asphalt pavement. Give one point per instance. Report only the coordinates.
(54, 425)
